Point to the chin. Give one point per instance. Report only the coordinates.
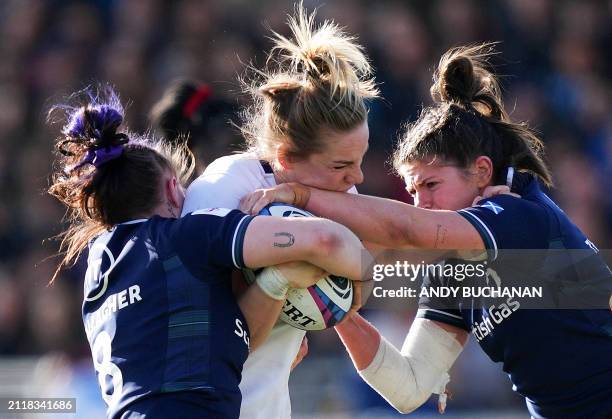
(336, 189)
(450, 207)
(343, 188)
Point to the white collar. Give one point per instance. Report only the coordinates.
(140, 220)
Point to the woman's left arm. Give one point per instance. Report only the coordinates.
(383, 221)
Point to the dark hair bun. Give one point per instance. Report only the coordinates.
(463, 77)
(457, 80)
(190, 109)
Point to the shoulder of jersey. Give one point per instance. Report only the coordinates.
(243, 162)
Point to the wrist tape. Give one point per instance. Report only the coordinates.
(301, 194)
(273, 283)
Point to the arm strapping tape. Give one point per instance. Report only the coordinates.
(273, 283)
(406, 379)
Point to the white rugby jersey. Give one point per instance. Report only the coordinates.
(265, 376)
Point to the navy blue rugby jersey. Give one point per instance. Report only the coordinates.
(560, 360)
(166, 334)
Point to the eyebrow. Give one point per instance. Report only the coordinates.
(349, 162)
(423, 181)
(413, 184)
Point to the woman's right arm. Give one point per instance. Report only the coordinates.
(330, 246)
(321, 245)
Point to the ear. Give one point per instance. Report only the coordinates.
(484, 171)
(283, 157)
(173, 192)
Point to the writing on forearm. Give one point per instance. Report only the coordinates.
(289, 237)
(440, 236)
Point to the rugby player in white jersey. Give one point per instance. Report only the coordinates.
(454, 157)
(307, 124)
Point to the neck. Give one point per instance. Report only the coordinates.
(166, 210)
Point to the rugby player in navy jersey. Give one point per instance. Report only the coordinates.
(560, 360)
(167, 336)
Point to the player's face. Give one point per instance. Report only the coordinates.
(338, 167)
(440, 186)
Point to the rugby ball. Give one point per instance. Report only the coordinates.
(317, 307)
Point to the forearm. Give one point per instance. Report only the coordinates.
(406, 379)
(381, 365)
(261, 313)
(373, 219)
(360, 339)
(396, 224)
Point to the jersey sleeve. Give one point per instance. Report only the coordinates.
(212, 236)
(440, 309)
(507, 222)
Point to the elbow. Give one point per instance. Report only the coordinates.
(411, 404)
(406, 410)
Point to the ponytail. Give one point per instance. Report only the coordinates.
(322, 81)
(462, 77)
(326, 58)
(104, 174)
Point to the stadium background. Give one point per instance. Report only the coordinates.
(556, 62)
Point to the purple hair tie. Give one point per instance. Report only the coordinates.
(99, 156)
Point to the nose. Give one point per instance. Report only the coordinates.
(354, 177)
(422, 200)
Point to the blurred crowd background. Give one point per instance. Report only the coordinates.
(555, 63)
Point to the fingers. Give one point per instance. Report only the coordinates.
(301, 274)
(264, 199)
(280, 193)
(491, 191)
(246, 203)
(258, 199)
